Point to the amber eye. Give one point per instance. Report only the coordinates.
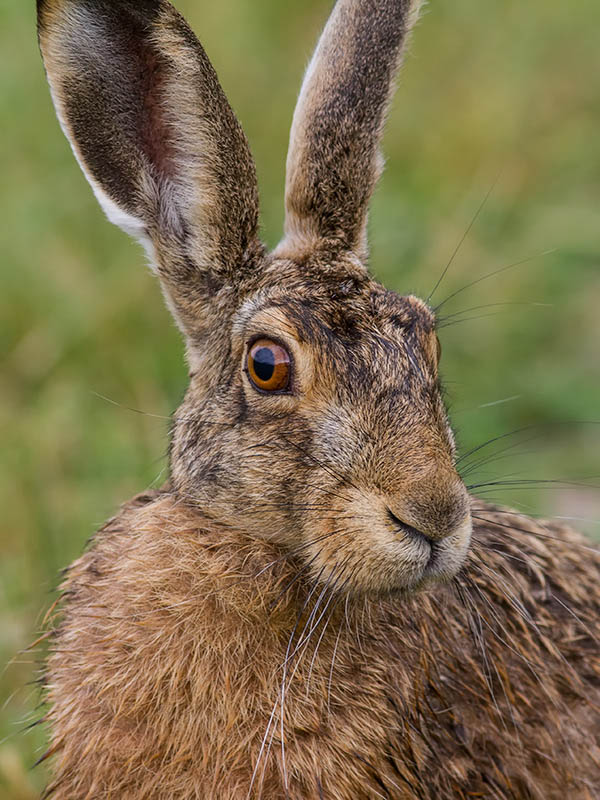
(269, 366)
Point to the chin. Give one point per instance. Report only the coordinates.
(449, 555)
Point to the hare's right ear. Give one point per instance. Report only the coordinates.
(154, 134)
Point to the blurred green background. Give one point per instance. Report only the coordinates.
(491, 87)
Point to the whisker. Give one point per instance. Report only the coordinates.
(530, 665)
(470, 319)
(542, 483)
(260, 753)
(287, 659)
(335, 649)
(304, 638)
(504, 554)
(494, 459)
(463, 237)
(478, 636)
(316, 650)
(482, 459)
(493, 305)
(491, 441)
(536, 533)
(485, 405)
(492, 274)
(277, 701)
(168, 418)
(496, 670)
(319, 463)
(512, 598)
(575, 616)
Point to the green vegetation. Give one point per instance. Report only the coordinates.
(491, 86)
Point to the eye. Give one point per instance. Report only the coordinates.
(269, 366)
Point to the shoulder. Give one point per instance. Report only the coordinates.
(161, 556)
(524, 544)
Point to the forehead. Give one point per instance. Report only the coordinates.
(349, 313)
(367, 347)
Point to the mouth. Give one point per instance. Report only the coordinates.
(430, 548)
(378, 552)
(413, 534)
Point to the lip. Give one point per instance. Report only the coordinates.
(413, 533)
(421, 540)
(436, 551)
(433, 557)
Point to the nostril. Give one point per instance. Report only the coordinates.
(408, 529)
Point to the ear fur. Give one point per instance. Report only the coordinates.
(154, 134)
(333, 158)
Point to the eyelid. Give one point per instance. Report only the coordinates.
(271, 337)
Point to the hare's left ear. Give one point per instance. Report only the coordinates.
(333, 158)
(154, 134)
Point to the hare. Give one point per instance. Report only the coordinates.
(313, 606)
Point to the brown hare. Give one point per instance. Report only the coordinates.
(313, 606)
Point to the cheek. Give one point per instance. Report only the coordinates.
(335, 441)
(205, 440)
(212, 363)
(270, 498)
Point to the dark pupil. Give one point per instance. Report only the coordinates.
(264, 364)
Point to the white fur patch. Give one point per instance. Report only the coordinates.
(118, 216)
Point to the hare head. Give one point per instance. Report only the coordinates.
(314, 416)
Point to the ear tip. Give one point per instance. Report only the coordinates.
(42, 7)
(57, 11)
(46, 6)
(49, 6)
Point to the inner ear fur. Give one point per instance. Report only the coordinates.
(152, 129)
(333, 159)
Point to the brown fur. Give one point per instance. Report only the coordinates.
(169, 663)
(313, 607)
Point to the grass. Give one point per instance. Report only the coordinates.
(491, 86)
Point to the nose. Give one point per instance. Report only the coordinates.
(431, 508)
